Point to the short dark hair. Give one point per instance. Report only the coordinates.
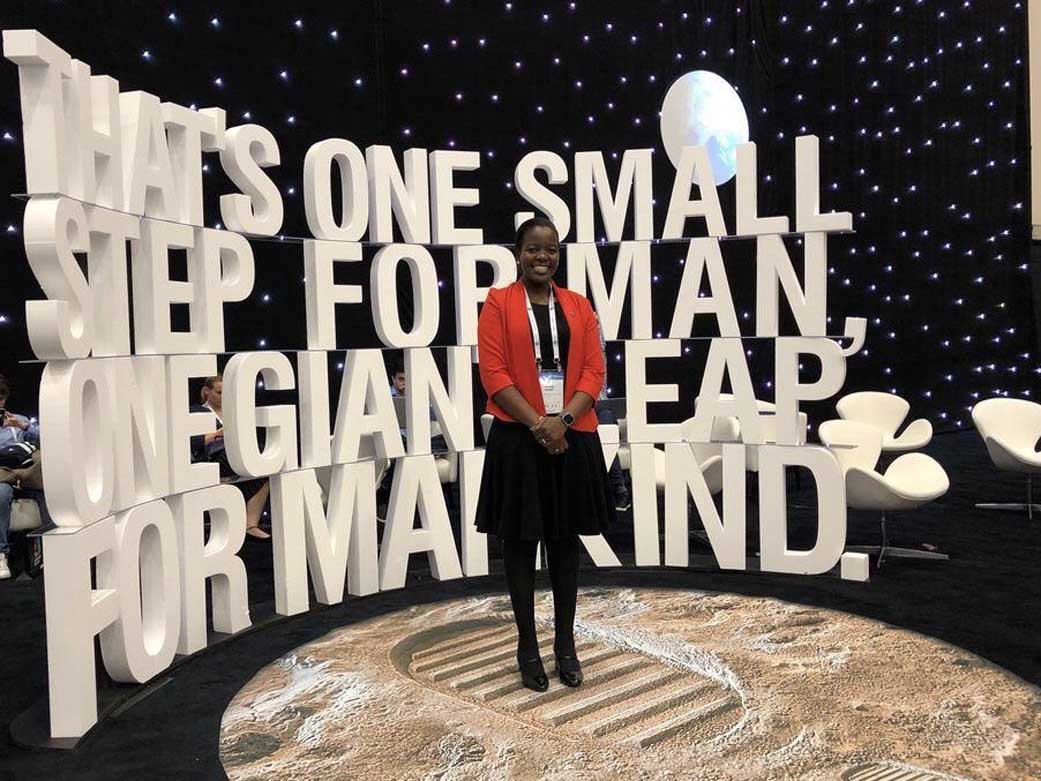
(530, 224)
(5, 388)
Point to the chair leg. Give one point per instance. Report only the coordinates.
(885, 541)
(1030, 507)
(885, 549)
(911, 553)
(699, 535)
(1010, 506)
(872, 550)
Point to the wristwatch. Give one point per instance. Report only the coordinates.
(567, 419)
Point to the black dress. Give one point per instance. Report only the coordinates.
(215, 452)
(528, 494)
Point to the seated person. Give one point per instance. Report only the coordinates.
(398, 388)
(210, 447)
(438, 444)
(15, 429)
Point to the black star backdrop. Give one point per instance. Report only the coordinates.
(920, 108)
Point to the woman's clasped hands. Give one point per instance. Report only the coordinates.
(549, 432)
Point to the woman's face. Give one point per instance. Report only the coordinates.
(214, 395)
(539, 255)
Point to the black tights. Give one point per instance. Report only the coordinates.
(519, 562)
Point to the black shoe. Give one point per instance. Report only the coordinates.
(569, 670)
(533, 674)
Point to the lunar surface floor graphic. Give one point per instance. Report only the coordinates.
(679, 684)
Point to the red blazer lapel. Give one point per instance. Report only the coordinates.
(518, 352)
(521, 351)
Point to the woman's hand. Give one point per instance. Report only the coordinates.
(550, 433)
(212, 435)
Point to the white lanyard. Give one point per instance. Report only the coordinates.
(219, 421)
(552, 330)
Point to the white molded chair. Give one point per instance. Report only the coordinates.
(768, 426)
(709, 455)
(447, 463)
(366, 452)
(1010, 429)
(25, 515)
(910, 481)
(886, 412)
(624, 458)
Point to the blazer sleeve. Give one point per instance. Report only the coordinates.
(491, 347)
(591, 379)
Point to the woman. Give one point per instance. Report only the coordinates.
(544, 476)
(210, 447)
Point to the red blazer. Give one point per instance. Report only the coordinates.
(507, 355)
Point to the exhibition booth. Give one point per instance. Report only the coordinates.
(781, 255)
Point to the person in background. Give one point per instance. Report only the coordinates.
(15, 429)
(398, 388)
(544, 477)
(210, 447)
(605, 414)
(397, 378)
(438, 444)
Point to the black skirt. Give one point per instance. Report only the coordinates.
(528, 494)
(249, 487)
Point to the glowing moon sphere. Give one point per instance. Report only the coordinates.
(702, 109)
